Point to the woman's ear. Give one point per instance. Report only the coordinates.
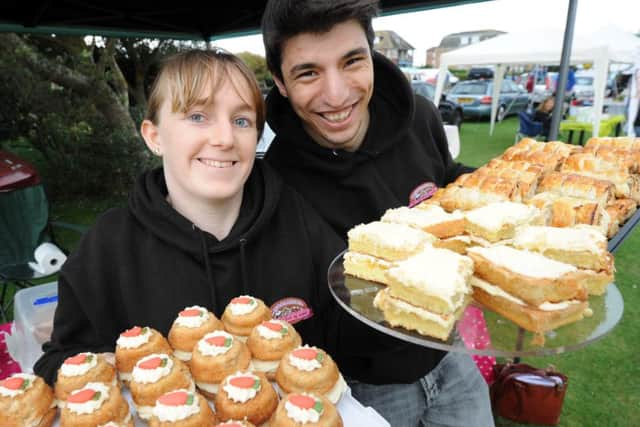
(151, 137)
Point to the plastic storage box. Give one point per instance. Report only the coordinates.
(33, 321)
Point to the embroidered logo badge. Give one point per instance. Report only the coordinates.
(291, 310)
(421, 193)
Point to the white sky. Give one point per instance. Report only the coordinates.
(425, 29)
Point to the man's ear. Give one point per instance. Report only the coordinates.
(150, 135)
(281, 87)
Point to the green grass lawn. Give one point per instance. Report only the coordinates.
(604, 377)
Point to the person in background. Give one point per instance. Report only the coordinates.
(531, 81)
(354, 140)
(209, 225)
(543, 114)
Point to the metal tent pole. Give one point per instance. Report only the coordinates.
(564, 67)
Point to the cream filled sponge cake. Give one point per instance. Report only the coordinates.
(374, 246)
(155, 375)
(96, 404)
(217, 355)
(268, 342)
(499, 221)
(246, 395)
(26, 400)
(182, 408)
(242, 314)
(310, 369)
(191, 324)
(135, 343)
(429, 218)
(427, 292)
(76, 371)
(306, 409)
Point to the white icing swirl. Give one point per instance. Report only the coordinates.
(70, 370)
(214, 350)
(301, 415)
(270, 334)
(193, 321)
(242, 309)
(134, 342)
(146, 376)
(237, 394)
(6, 392)
(91, 405)
(176, 413)
(303, 364)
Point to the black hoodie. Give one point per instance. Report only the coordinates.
(404, 147)
(142, 264)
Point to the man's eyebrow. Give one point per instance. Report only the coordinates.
(310, 65)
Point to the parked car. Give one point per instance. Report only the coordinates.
(480, 73)
(450, 112)
(475, 97)
(583, 89)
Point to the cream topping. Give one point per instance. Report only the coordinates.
(304, 364)
(90, 406)
(265, 365)
(270, 334)
(419, 218)
(242, 309)
(185, 356)
(214, 350)
(359, 258)
(550, 306)
(71, 370)
(193, 321)
(177, 413)
(499, 292)
(396, 236)
(301, 415)
(495, 215)
(146, 376)
(435, 271)
(400, 305)
(524, 262)
(29, 380)
(238, 394)
(134, 342)
(572, 239)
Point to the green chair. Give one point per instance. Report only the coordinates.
(24, 225)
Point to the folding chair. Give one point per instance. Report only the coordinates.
(528, 127)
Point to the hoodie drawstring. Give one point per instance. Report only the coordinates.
(207, 263)
(243, 267)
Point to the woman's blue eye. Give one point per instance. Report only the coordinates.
(196, 117)
(242, 122)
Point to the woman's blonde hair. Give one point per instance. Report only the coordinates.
(543, 103)
(185, 76)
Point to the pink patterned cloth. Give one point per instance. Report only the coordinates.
(473, 331)
(8, 366)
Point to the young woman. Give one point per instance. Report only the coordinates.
(543, 114)
(209, 225)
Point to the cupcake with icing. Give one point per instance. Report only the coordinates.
(153, 376)
(135, 343)
(268, 342)
(191, 324)
(78, 370)
(246, 395)
(310, 369)
(26, 400)
(306, 409)
(182, 408)
(96, 404)
(242, 314)
(215, 356)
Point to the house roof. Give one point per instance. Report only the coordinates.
(390, 40)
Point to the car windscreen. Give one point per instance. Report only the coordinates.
(584, 81)
(469, 89)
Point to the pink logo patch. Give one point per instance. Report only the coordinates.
(421, 193)
(291, 310)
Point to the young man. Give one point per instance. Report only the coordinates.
(355, 141)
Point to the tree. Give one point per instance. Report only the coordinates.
(258, 65)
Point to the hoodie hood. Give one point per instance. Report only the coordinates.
(391, 111)
(148, 204)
